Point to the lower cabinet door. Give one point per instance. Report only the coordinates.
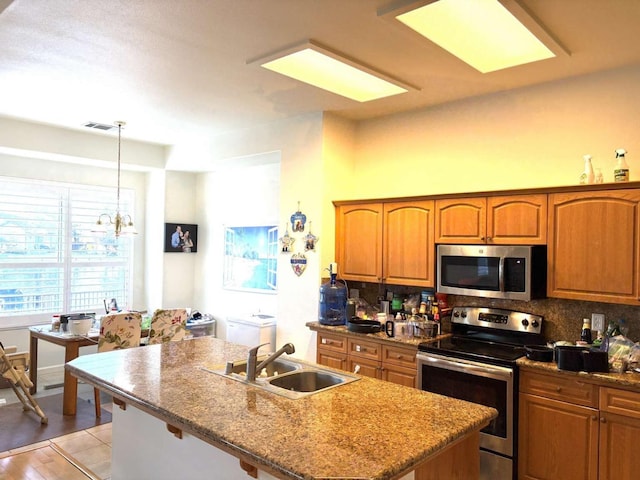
(619, 456)
(332, 359)
(557, 440)
(363, 366)
(400, 375)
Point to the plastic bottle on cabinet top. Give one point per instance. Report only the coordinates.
(587, 176)
(585, 334)
(333, 300)
(621, 172)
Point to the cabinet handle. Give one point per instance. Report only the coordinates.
(558, 389)
(603, 420)
(594, 417)
(489, 239)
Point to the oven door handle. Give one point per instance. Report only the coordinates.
(448, 364)
(501, 274)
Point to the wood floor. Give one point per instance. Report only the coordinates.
(79, 455)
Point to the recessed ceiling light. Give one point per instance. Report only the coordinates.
(489, 35)
(322, 68)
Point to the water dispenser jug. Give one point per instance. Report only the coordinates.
(333, 300)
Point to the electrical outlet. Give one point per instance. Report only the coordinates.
(354, 293)
(597, 322)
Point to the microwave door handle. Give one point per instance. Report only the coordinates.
(501, 274)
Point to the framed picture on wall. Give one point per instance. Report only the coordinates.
(251, 258)
(180, 237)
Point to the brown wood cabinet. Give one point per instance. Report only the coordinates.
(359, 242)
(368, 357)
(594, 246)
(619, 433)
(332, 350)
(569, 428)
(408, 247)
(399, 365)
(363, 357)
(499, 220)
(386, 242)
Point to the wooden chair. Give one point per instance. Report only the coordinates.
(13, 367)
(117, 331)
(168, 325)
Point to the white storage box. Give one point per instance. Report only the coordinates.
(252, 331)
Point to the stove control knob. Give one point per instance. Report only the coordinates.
(463, 314)
(535, 324)
(456, 313)
(525, 322)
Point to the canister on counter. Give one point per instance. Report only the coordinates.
(55, 322)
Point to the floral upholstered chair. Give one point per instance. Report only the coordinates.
(168, 325)
(117, 331)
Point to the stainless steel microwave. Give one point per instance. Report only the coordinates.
(513, 272)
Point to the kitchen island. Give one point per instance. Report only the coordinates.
(367, 429)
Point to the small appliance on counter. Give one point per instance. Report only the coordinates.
(77, 323)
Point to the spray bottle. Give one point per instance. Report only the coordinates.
(621, 172)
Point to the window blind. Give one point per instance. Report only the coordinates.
(50, 260)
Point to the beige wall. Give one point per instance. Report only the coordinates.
(531, 137)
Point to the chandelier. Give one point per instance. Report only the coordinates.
(120, 224)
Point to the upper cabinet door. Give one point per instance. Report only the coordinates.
(461, 220)
(408, 246)
(594, 246)
(517, 220)
(359, 242)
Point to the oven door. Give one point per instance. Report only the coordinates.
(486, 384)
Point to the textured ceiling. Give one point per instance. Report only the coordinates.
(177, 69)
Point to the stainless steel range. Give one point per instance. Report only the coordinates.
(478, 364)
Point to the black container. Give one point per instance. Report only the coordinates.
(570, 358)
(358, 325)
(595, 361)
(539, 353)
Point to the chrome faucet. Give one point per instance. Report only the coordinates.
(252, 359)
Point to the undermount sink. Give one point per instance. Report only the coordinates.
(291, 379)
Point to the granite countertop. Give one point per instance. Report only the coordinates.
(626, 380)
(342, 329)
(367, 429)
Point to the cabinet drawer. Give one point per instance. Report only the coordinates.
(559, 388)
(404, 357)
(365, 349)
(623, 402)
(335, 343)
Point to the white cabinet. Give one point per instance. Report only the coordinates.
(252, 331)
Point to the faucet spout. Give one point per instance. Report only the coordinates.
(253, 369)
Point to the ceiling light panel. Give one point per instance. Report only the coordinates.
(322, 68)
(483, 33)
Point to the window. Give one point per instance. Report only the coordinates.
(50, 260)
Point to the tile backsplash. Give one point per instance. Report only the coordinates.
(562, 318)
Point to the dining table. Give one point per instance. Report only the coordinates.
(71, 344)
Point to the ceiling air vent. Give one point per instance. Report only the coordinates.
(100, 126)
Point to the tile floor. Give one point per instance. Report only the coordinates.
(79, 455)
